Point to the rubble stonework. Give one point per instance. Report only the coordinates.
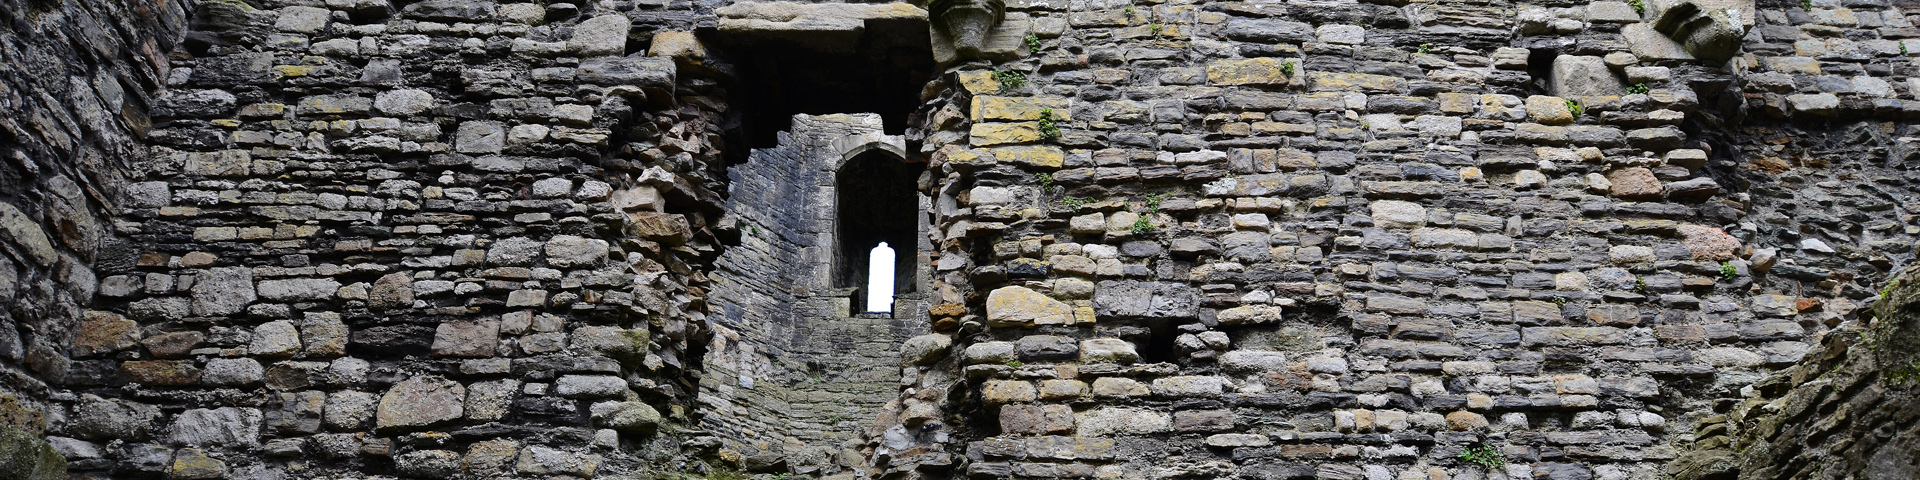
(259, 239)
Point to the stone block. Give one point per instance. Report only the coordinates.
(101, 333)
(225, 426)
(466, 338)
(1036, 419)
(1020, 306)
(1251, 71)
(601, 35)
(1104, 421)
(1583, 76)
(997, 392)
(420, 402)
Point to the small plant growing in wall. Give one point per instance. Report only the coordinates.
(1485, 456)
(1574, 106)
(1639, 88)
(1155, 27)
(1639, 6)
(1728, 271)
(1015, 363)
(1129, 11)
(1033, 43)
(1806, 5)
(1143, 224)
(1639, 285)
(1046, 181)
(1049, 125)
(1010, 80)
(1286, 68)
(1073, 203)
(1425, 48)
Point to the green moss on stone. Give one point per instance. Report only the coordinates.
(24, 456)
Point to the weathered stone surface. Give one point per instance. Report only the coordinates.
(1120, 420)
(466, 338)
(601, 35)
(299, 289)
(1108, 350)
(96, 418)
(1398, 214)
(666, 228)
(223, 291)
(403, 102)
(101, 333)
(194, 464)
(1020, 306)
(1635, 183)
(925, 349)
(1252, 71)
(393, 290)
(590, 386)
(233, 372)
(1144, 300)
(223, 426)
(568, 251)
(274, 339)
(644, 72)
(350, 410)
(630, 417)
(419, 402)
(1583, 76)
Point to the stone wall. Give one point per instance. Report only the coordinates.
(77, 78)
(368, 238)
(1331, 240)
(1384, 240)
(1844, 411)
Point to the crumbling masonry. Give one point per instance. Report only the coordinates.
(1138, 239)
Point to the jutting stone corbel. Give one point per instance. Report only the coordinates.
(967, 22)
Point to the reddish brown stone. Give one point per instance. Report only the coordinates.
(947, 310)
(102, 333)
(1637, 183)
(162, 372)
(1708, 243)
(173, 345)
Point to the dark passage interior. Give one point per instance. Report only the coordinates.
(877, 203)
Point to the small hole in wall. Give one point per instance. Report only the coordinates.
(1540, 70)
(1156, 344)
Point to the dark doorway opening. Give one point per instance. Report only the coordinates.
(878, 201)
(882, 70)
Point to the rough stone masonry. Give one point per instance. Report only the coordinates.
(1293, 239)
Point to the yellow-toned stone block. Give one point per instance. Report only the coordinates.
(1020, 306)
(1036, 155)
(1549, 110)
(962, 156)
(682, 46)
(979, 82)
(1357, 82)
(988, 107)
(989, 134)
(1252, 71)
(1457, 103)
(997, 392)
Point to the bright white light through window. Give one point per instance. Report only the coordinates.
(880, 279)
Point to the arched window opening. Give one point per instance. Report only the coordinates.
(878, 203)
